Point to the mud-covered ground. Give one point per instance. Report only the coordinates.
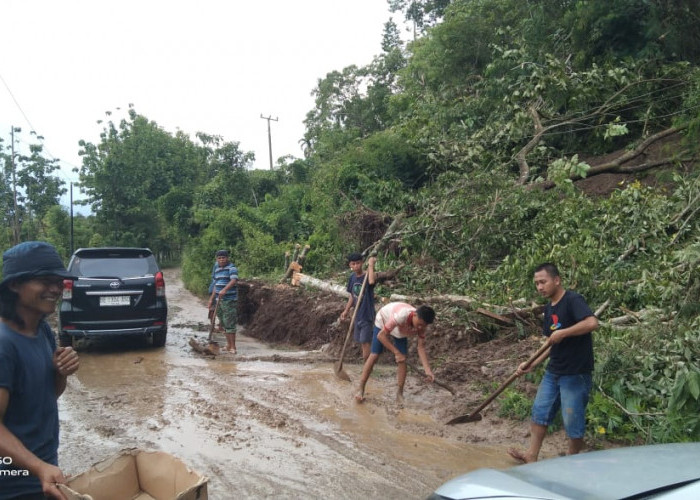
(471, 355)
(274, 421)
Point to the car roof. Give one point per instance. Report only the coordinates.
(113, 251)
(614, 473)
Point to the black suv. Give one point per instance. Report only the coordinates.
(117, 292)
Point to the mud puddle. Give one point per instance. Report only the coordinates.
(258, 429)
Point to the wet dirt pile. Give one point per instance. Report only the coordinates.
(283, 314)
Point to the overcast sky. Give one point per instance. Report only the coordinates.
(207, 65)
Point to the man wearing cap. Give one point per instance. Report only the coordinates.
(33, 372)
(226, 292)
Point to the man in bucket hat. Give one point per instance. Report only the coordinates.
(33, 372)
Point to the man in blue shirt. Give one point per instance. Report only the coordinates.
(567, 382)
(364, 317)
(33, 372)
(225, 291)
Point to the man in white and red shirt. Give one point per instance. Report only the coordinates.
(393, 325)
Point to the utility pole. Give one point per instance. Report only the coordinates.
(15, 225)
(71, 218)
(269, 134)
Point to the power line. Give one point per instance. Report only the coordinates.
(17, 104)
(63, 175)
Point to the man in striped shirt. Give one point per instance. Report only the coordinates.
(225, 291)
(393, 325)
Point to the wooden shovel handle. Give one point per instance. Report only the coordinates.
(354, 315)
(213, 319)
(472, 417)
(510, 379)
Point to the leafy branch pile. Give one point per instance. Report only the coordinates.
(484, 136)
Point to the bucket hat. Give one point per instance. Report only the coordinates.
(31, 259)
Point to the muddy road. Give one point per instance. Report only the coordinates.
(264, 423)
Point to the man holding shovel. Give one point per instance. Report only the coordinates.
(226, 292)
(364, 317)
(567, 382)
(393, 325)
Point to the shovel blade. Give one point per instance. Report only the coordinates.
(463, 419)
(213, 348)
(339, 372)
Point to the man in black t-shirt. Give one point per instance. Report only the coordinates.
(364, 319)
(568, 323)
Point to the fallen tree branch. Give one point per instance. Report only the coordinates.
(653, 164)
(382, 276)
(307, 280)
(461, 300)
(299, 278)
(521, 313)
(680, 229)
(616, 164)
(629, 155)
(625, 410)
(630, 250)
(295, 265)
(497, 317)
(290, 269)
(602, 308)
(390, 232)
(506, 314)
(521, 156)
(436, 381)
(632, 317)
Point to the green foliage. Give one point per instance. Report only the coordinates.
(29, 188)
(422, 13)
(606, 420)
(651, 379)
(42, 188)
(563, 170)
(514, 405)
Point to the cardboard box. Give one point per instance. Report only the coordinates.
(138, 475)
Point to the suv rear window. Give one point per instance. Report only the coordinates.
(123, 263)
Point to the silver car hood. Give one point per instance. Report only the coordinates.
(610, 474)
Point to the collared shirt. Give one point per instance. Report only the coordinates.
(397, 319)
(222, 277)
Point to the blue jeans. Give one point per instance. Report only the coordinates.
(363, 331)
(568, 392)
(378, 347)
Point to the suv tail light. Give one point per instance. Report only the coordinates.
(160, 285)
(67, 290)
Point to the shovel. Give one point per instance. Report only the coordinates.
(213, 346)
(475, 416)
(436, 382)
(338, 366)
